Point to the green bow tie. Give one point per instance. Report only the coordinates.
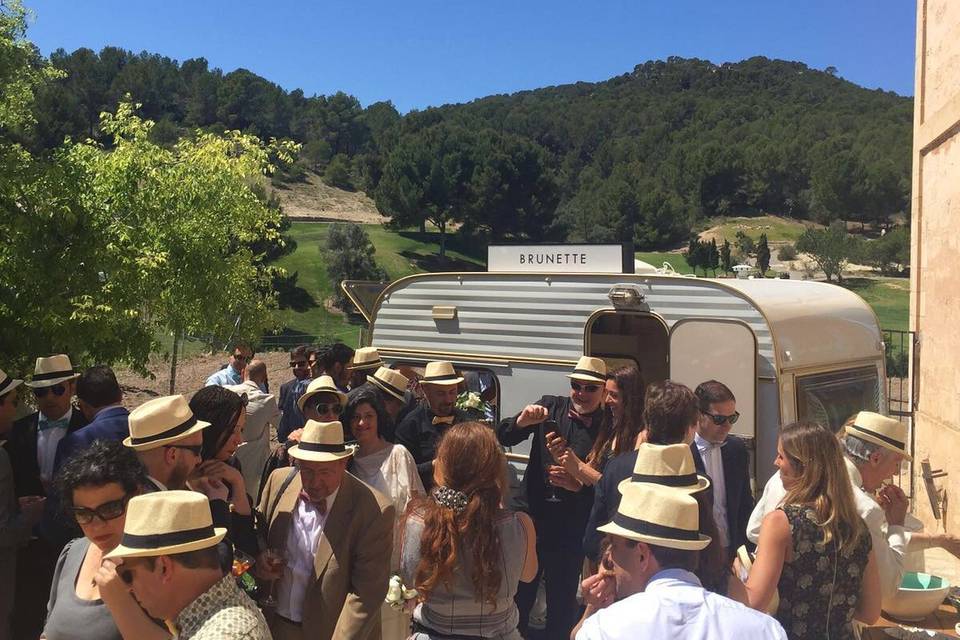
(62, 423)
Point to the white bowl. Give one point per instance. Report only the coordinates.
(919, 595)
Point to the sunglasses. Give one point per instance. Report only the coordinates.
(195, 449)
(299, 363)
(589, 388)
(720, 419)
(57, 389)
(107, 511)
(125, 572)
(240, 356)
(327, 407)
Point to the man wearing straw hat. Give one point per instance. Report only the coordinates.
(654, 546)
(167, 439)
(17, 516)
(560, 514)
(874, 447)
(366, 360)
(392, 388)
(421, 429)
(168, 557)
(34, 439)
(336, 534)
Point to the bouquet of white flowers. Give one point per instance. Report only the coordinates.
(398, 594)
(470, 403)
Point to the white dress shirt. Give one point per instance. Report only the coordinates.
(675, 607)
(301, 549)
(47, 442)
(713, 465)
(890, 541)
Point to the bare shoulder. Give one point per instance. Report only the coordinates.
(527, 523)
(776, 524)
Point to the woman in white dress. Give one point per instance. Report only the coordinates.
(388, 468)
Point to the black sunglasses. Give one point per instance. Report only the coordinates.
(57, 389)
(107, 511)
(195, 449)
(298, 363)
(327, 407)
(720, 419)
(589, 388)
(240, 356)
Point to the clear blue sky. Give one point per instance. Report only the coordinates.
(421, 53)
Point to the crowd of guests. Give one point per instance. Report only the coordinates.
(369, 502)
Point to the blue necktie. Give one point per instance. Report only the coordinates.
(62, 423)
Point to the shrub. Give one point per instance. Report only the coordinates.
(787, 252)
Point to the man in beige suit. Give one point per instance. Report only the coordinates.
(335, 534)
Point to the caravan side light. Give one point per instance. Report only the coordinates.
(626, 295)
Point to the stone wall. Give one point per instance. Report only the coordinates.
(935, 268)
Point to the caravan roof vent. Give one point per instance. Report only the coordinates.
(626, 296)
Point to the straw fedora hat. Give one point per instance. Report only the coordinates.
(440, 372)
(366, 358)
(880, 430)
(661, 516)
(52, 370)
(669, 465)
(161, 421)
(323, 384)
(167, 522)
(590, 370)
(321, 442)
(390, 381)
(8, 384)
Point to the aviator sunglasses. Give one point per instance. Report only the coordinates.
(327, 407)
(107, 511)
(589, 388)
(719, 419)
(57, 389)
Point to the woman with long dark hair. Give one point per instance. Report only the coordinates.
(225, 411)
(620, 430)
(815, 549)
(462, 550)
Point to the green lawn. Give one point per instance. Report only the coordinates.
(399, 253)
(889, 297)
(777, 229)
(677, 260)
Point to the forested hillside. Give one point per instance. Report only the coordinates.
(645, 156)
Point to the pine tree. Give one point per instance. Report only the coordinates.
(763, 255)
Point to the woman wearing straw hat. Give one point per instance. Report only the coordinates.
(168, 558)
(337, 535)
(654, 545)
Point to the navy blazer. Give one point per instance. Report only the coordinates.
(736, 479)
(109, 424)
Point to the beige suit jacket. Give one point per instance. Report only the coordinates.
(352, 564)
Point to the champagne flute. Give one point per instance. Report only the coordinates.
(274, 560)
(548, 426)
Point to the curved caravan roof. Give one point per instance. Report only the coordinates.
(542, 317)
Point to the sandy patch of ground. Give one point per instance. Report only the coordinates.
(316, 201)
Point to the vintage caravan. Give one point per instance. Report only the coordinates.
(789, 350)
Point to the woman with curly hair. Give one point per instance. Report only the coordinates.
(815, 548)
(462, 550)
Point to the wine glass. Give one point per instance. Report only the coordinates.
(274, 560)
(548, 426)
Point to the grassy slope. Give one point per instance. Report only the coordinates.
(400, 254)
(777, 228)
(889, 297)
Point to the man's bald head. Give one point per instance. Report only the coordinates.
(257, 371)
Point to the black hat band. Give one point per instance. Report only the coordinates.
(157, 540)
(6, 382)
(445, 376)
(163, 435)
(324, 448)
(896, 443)
(685, 480)
(386, 386)
(50, 375)
(593, 374)
(646, 528)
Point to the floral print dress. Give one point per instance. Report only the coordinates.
(819, 589)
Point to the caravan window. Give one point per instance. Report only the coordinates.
(479, 392)
(830, 398)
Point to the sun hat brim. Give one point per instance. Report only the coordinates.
(319, 456)
(122, 551)
(586, 377)
(302, 400)
(701, 484)
(38, 384)
(685, 545)
(864, 434)
(442, 382)
(13, 384)
(383, 387)
(366, 365)
(153, 444)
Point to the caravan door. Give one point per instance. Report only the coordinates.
(722, 350)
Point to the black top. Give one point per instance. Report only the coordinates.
(559, 524)
(420, 436)
(22, 448)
